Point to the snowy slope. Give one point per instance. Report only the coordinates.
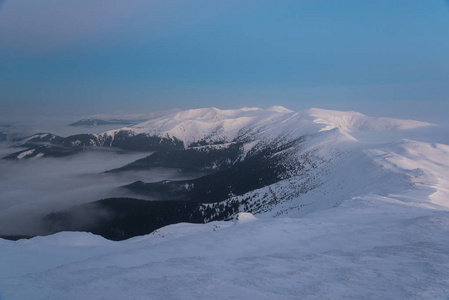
(368, 248)
(363, 218)
(355, 121)
(216, 125)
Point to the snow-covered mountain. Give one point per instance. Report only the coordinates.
(100, 122)
(215, 126)
(121, 119)
(337, 205)
(210, 126)
(265, 161)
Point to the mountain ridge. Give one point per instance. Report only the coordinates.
(273, 162)
(208, 126)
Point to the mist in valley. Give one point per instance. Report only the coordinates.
(20, 128)
(33, 188)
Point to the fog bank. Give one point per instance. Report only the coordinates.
(30, 189)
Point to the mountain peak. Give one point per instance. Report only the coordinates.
(214, 125)
(278, 108)
(350, 121)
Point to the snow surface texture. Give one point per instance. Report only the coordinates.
(374, 224)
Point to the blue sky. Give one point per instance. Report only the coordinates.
(382, 57)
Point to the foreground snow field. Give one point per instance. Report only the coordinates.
(367, 248)
(374, 225)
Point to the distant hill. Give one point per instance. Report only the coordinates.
(99, 122)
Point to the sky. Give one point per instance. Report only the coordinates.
(84, 57)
